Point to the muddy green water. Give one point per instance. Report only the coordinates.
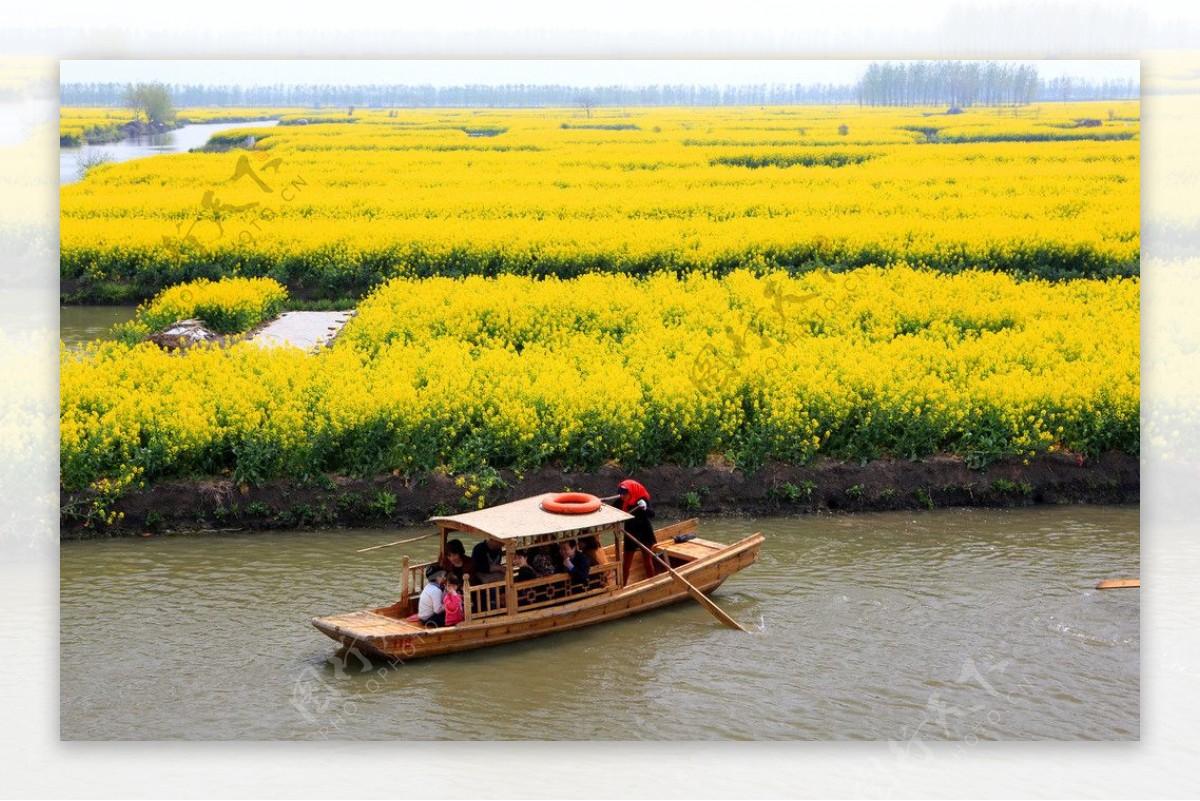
(909, 627)
(79, 325)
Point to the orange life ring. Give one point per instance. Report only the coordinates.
(571, 503)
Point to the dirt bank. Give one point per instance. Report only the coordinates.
(826, 486)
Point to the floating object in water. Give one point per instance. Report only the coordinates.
(1119, 584)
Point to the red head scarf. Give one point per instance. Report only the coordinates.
(634, 492)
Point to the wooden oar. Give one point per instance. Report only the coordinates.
(700, 597)
(1119, 584)
(397, 542)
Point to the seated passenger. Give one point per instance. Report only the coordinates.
(453, 602)
(542, 563)
(486, 558)
(597, 556)
(456, 562)
(575, 563)
(522, 571)
(431, 608)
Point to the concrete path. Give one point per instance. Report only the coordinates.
(304, 330)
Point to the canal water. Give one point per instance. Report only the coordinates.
(911, 627)
(178, 141)
(79, 325)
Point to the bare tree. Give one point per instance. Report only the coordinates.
(587, 103)
(86, 160)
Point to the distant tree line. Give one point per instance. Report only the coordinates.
(504, 96)
(971, 83)
(930, 83)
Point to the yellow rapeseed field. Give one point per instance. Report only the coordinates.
(340, 206)
(512, 371)
(227, 306)
(644, 286)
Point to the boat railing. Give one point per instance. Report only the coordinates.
(557, 588)
(484, 600)
(412, 578)
(490, 600)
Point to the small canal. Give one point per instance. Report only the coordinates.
(179, 140)
(955, 624)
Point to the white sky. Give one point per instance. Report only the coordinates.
(572, 73)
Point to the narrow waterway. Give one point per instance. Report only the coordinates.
(79, 325)
(956, 624)
(178, 141)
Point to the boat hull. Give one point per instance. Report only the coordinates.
(378, 635)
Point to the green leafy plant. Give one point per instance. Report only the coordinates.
(382, 504)
(924, 498)
(791, 493)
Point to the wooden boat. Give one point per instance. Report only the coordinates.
(510, 610)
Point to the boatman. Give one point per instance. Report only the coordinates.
(431, 608)
(635, 500)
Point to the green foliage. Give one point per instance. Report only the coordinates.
(1040, 136)
(792, 493)
(1003, 486)
(855, 492)
(755, 162)
(152, 100)
(382, 504)
(923, 497)
(97, 272)
(615, 126)
(691, 500)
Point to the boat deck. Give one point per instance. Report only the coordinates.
(691, 550)
(370, 624)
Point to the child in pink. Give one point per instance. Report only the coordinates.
(453, 601)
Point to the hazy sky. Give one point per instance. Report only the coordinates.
(572, 73)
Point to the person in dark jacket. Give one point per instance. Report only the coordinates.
(635, 500)
(575, 564)
(456, 562)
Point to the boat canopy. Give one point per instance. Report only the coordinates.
(526, 519)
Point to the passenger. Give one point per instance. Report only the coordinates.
(635, 500)
(456, 562)
(453, 601)
(522, 570)
(576, 564)
(486, 559)
(598, 556)
(431, 608)
(542, 562)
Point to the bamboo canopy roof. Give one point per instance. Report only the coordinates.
(526, 518)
